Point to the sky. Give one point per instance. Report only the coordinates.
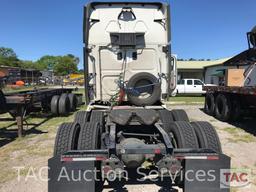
(201, 29)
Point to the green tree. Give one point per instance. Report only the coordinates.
(8, 57)
(28, 65)
(13, 62)
(66, 65)
(62, 65)
(47, 62)
(7, 53)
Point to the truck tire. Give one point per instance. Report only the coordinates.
(165, 116)
(207, 136)
(223, 107)
(97, 117)
(154, 93)
(236, 112)
(64, 105)
(73, 101)
(180, 115)
(55, 105)
(66, 138)
(89, 139)
(209, 104)
(81, 117)
(184, 134)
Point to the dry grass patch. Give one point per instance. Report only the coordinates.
(239, 135)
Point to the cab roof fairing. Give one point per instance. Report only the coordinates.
(91, 3)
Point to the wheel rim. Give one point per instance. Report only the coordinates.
(145, 88)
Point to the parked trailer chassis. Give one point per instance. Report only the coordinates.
(168, 160)
(230, 103)
(20, 104)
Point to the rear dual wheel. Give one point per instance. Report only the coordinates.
(207, 136)
(66, 138)
(93, 116)
(227, 108)
(183, 134)
(180, 115)
(63, 104)
(82, 117)
(73, 101)
(209, 105)
(223, 107)
(73, 136)
(195, 135)
(167, 116)
(90, 139)
(55, 105)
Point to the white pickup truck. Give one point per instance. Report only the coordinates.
(190, 86)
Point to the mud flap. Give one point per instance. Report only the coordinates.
(71, 176)
(205, 175)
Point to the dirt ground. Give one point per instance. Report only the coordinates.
(238, 142)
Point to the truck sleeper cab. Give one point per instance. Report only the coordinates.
(127, 58)
(128, 46)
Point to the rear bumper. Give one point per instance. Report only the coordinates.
(76, 171)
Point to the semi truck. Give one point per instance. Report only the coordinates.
(232, 103)
(127, 132)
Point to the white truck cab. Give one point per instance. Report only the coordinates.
(190, 86)
(127, 52)
(128, 60)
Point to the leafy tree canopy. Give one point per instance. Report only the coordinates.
(61, 65)
(7, 53)
(8, 57)
(66, 65)
(47, 62)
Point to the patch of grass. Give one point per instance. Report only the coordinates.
(79, 91)
(239, 135)
(7, 175)
(39, 151)
(231, 130)
(187, 100)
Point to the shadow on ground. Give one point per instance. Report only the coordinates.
(8, 134)
(118, 187)
(137, 179)
(247, 124)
